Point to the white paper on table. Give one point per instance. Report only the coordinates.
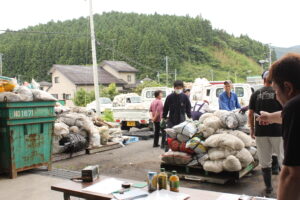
(229, 197)
(107, 186)
(133, 193)
(167, 195)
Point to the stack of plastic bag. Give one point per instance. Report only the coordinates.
(215, 142)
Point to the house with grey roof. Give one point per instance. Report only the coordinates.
(67, 79)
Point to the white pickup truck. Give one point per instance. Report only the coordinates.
(130, 111)
(211, 94)
(148, 94)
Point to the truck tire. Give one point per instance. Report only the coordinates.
(125, 128)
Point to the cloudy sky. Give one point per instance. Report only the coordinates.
(269, 21)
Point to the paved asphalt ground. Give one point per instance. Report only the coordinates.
(132, 162)
(135, 160)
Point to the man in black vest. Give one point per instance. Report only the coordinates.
(177, 105)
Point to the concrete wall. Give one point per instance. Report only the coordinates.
(124, 76)
(120, 75)
(64, 86)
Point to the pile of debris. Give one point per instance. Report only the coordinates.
(214, 142)
(77, 128)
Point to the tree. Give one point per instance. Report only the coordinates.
(83, 97)
(111, 91)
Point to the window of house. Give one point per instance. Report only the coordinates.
(55, 95)
(56, 79)
(66, 96)
(129, 78)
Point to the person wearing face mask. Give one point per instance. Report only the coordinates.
(177, 106)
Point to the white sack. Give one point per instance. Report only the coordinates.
(186, 128)
(205, 116)
(206, 131)
(25, 93)
(95, 139)
(243, 136)
(74, 129)
(171, 132)
(253, 152)
(232, 164)
(9, 97)
(215, 166)
(213, 122)
(220, 153)
(40, 95)
(234, 119)
(245, 157)
(61, 129)
(182, 138)
(224, 140)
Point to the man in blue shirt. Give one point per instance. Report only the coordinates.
(228, 100)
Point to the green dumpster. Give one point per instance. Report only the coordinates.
(25, 135)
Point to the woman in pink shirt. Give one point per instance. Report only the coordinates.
(156, 110)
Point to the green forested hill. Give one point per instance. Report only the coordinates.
(194, 48)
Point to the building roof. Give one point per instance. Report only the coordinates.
(45, 83)
(83, 75)
(119, 66)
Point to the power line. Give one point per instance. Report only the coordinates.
(46, 33)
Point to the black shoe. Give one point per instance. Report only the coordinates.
(156, 146)
(267, 175)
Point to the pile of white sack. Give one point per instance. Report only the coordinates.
(79, 120)
(120, 100)
(25, 94)
(216, 141)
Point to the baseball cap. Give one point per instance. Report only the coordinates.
(227, 82)
(265, 74)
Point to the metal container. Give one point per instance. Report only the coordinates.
(26, 130)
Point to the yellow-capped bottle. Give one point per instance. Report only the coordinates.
(162, 179)
(174, 182)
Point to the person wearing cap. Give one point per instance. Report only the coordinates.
(268, 138)
(228, 100)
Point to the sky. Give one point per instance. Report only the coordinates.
(268, 21)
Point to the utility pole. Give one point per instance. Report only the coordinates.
(175, 74)
(158, 77)
(167, 71)
(1, 64)
(212, 74)
(95, 65)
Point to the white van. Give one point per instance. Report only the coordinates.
(211, 94)
(148, 94)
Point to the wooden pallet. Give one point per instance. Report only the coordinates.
(64, 156)
(109, 146)
(197, 173)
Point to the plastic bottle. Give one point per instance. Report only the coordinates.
(162, 179)
(174, 182)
